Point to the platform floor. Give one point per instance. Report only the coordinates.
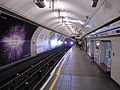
(78, 72)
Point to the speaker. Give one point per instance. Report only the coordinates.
(94, 4)
(40, 3)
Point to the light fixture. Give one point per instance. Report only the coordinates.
(59, 12)
(46, 3)
(74, 21)
(39, 3)
(52, 4)
(61, 18)
(88, 26)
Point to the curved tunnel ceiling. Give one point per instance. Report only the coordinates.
(79, 10)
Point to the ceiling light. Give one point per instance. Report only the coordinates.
(60, 5)
(77, 21)
(74, 21)
(60, 19)
(63, 14)
(65, 27)
(56, 14)
(88, 26)
(46, 3)
(63, 24)
(67, 23)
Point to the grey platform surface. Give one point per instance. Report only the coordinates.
(80, 73)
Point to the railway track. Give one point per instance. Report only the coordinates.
(34, 74)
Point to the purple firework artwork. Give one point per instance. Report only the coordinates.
(13, 43)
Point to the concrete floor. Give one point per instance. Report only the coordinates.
(80, 73)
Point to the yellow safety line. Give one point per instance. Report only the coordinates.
(56, 78)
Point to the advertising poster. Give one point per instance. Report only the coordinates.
(15, 39)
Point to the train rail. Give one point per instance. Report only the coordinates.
(34, 74)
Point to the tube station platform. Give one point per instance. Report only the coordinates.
(76, 71)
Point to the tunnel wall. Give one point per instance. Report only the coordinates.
(15, 38)
(20, 39)
(104, 47)
(44, 39)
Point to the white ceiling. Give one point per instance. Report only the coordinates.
(73, 9)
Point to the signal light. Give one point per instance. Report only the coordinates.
(71, 42)
(65, 42)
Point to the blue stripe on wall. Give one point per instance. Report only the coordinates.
(108, 30)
